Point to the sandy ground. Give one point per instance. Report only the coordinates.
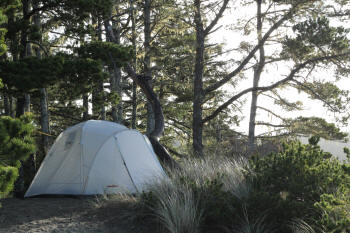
(53, 214)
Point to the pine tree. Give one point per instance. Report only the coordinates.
(16, 144)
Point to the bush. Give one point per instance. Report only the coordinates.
(16, 144)
(289, 184)
(299, 189)
(335, 209)
(8, 176)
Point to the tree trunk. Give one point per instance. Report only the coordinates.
(197, 125)
(12, 114)
(134, 105)
(134, 85)
(20, 106)
(258, 69)
(6, 105)
(44, 112)
(115, 80)
(23, 102)
(85, 107)
(147, 62)
(45, 124)
(253, 108)
(102, 96)
(102, 101)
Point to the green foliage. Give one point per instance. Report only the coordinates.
(8, 176)
(315, 126)
(16, 143)
(289, 184)
(335, 210)
(79, 72)
(333, 97)
(16, 139)
(82, 8)
(314, 37)
(106, 51)
(31, 73)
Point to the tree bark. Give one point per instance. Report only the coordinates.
(257, 75)
(45, 123)
(12, 114)
(6, 105)
(134, 85)
(147, 62)
(23, 102)
(44, 112)
(85, 107)
(253, 109)
(101, 96)
(197, 125)
(115, 80)
(160, 151)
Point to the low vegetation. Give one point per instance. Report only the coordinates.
(299, 189)
(16, 145)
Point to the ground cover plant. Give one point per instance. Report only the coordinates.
(299, 189)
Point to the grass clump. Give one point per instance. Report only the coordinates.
(198, 197)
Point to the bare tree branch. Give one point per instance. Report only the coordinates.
(269, 111)
(272, 86)
(250, 55)
(269, 124)
(217, 17)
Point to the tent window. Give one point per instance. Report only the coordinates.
(70, 140)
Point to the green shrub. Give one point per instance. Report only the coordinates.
(335, 209)
(8, 176)
(16, 144)
(289, 183)
(299, 189)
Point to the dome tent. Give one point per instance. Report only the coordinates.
(97, 157)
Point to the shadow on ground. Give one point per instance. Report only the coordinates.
(53, 214)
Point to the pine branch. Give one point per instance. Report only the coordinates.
(272, 86)
(319, 97)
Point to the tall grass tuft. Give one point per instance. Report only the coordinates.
(176, 207)
(197, 195)
(300, 226)
(257, 225)
(229, 171)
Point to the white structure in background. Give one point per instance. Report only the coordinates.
(97, 157)
(332, 146)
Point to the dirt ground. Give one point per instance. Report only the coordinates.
(53, 214)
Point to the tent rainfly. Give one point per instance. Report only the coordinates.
(97, 157)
